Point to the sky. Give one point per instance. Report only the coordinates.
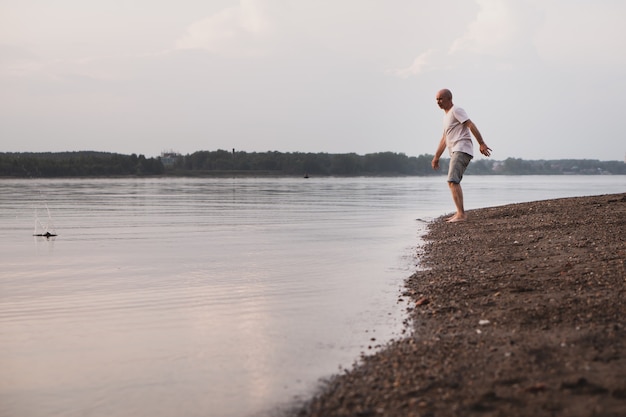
(541, 79)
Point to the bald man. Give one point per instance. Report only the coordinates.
(457, 138)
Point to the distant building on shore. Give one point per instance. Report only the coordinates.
(169, 158)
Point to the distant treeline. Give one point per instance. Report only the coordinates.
(221, 162)
(297, 163)
(77, 164)
(383, 163)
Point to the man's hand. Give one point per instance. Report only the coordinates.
(435, 163)
(484, 149)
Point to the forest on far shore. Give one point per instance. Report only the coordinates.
(231, 163)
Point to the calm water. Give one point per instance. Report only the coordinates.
(211, 297)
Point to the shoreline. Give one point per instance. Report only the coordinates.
(521, 312)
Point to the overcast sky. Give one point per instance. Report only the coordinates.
(542, 79)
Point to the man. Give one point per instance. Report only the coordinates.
(456, 137)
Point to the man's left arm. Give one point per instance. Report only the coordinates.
(484, 149)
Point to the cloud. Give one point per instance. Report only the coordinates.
(508, 34)
(496, 26)
(421, 64)
(499, 37)
(233, 30)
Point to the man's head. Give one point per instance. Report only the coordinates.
(444, 99)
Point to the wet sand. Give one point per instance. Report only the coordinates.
(520, 311)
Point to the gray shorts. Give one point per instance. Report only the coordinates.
(458, 163)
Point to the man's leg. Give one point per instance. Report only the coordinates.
(457, 196)
(458, 163)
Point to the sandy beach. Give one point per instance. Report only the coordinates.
(520, 311)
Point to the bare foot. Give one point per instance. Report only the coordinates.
(457, 218)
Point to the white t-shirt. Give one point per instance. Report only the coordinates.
(458, 136)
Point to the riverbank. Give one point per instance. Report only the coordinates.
(520, 312)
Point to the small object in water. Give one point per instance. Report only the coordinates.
(47, 234)
(46, 230)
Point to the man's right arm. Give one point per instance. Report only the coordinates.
(440, 149)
